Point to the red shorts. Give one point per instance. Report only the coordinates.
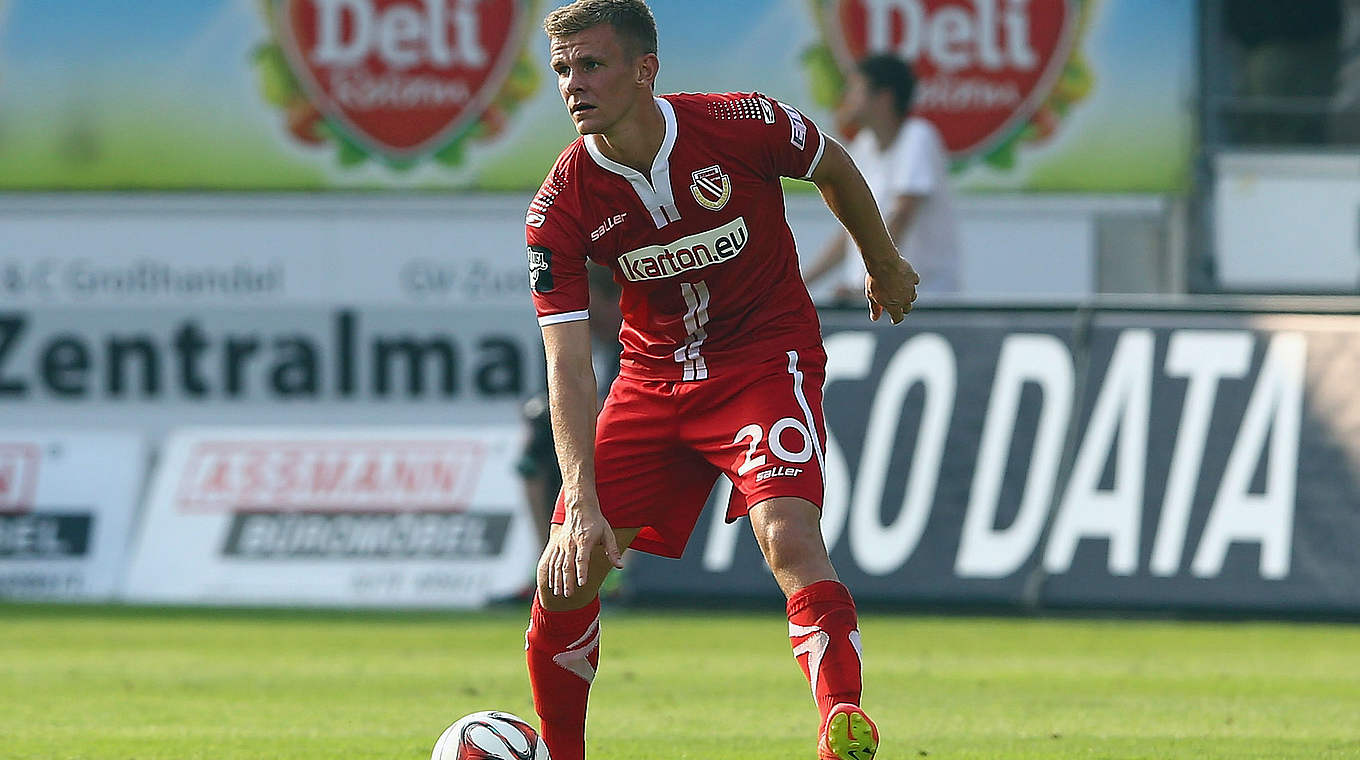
(660, 446)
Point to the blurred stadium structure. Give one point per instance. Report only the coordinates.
(264, 328)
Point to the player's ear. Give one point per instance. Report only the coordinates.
(647, 67)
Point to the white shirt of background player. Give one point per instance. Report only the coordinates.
(904, 162)
(915, 165)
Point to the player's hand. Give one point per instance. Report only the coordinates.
(570, 548)
(891, 288)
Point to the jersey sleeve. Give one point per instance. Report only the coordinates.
(557, 255)
(783, 142)
(791, 140)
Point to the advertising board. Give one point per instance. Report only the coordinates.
(136, 252)
(154, 369)
(425, 517)
(1043, 95)
(67, 504)
(1160, 460)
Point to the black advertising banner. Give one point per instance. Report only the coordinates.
(1242, 492)
(1151, 459)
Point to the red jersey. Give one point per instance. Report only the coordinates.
(701, 249)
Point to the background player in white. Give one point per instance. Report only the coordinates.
(722, 363)
(905, 163)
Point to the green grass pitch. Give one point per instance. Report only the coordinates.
(112, 683)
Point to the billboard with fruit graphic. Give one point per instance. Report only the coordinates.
(993, 74)
(425, 95)
(394, 80)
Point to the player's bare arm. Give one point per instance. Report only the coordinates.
(572, 401)
(891, 282)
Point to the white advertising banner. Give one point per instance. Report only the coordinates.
(383, 517)
(67, 502)
(246, 251)
(154, 370)
(456, 254)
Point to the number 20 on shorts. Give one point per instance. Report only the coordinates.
(756, 434)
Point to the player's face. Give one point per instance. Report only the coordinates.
(599, 81)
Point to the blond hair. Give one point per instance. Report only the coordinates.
(632, 21)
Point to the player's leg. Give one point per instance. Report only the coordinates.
(599, 569)
(823, 625)
(788, 530)
(771, 446)
(644, 485)
(562, 647)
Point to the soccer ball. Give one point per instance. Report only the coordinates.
(490, 735)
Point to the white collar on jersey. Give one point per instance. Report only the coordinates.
(655, 194)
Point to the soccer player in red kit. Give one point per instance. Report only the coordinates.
(722, 364)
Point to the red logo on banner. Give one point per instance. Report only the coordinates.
(984, 67)
(399, 79)
(225, 476)
(18, 476)
(402, 75)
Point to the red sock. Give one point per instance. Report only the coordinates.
(563, 652)
(825, 637)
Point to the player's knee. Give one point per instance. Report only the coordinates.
(541, 575)
(789, 546)
(544, 577)
(554, 602)
(560, 600)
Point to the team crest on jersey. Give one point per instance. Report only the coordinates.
(712, 188)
